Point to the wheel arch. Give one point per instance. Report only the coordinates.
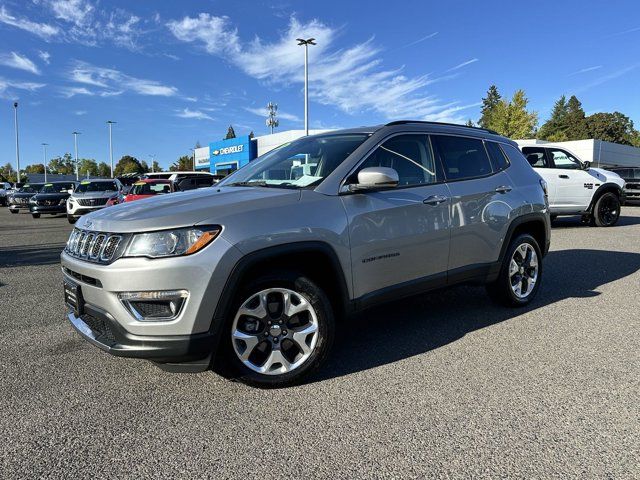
(534, 224)
(605, 188)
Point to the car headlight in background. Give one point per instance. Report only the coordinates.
(171, 243)
(32, 200)
(62, 201)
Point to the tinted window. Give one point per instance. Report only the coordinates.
(498, 158)
(536, 157)
(409, 155)
(150, 188)
(88, 186)
(462, 157)
(57, 187)
(563, 159)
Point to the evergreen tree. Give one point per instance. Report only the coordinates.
(512, 119)
(555, 128)
(489, 103)
(576, 124)
(611, 127)
(230, 133)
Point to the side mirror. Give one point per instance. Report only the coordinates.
(70, 191)
(586, 165)
(375, 178)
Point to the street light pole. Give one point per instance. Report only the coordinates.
(153, 160)
(15, 108)
(75, 144)
(110, 123)
(44, 160)
(194, 158)
(306, 43)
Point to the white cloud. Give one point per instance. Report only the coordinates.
(463, 64)
(73, 91)
(44, 56)
(115, 82)
(42, 30)
(15, 60)
(78, 12)
(605, 78)
(195, 114)
(420, 40)
(262, 112)
(7, 87)
(80, 112)
(585, 70)
(351, 79)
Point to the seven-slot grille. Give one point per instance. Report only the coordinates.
(92, 202)
(93, 246)
(47, 203)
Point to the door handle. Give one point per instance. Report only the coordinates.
(564, 176)
(435, 200)
(503, 189)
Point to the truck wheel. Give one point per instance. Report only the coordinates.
(71, 219)
(14, 211)
(280, 331)
(606, 211)
(520, 275)
(35, 215)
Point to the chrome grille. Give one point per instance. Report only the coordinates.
(92, 202)
(93, 246)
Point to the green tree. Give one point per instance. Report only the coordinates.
(37, 168)
(470, 123)
(87, 167)
(231, 133)
(64, 165)
(512, 119)
(127, 164)
(576, 124)
(104, 170)
(184, 163)
(489, 104)
(144, 166)
(156, 167)
(555, 128)
(611, 127)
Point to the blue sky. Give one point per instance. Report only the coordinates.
(171, 73)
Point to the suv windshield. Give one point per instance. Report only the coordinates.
(302, 163)
(30, 188)
(97, 187)
(56, 187)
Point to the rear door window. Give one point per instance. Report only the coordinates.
(462, 157)
(536, 156)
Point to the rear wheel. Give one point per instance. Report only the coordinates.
(520, 275)
(281, 331)
(606, 211)
(35, 215)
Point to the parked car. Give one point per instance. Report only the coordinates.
(254, 274)
(195, 179)
(19, 200)
(631, 176)
(127, 180)
(5, 190)
(91, 195)
(51, 199)
(575, 188)
(148, 189)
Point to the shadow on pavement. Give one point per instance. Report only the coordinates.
(575, 222)
(414, 326)
(30, 255)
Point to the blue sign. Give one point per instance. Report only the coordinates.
(232, 154)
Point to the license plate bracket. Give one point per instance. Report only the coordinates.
(73, 297)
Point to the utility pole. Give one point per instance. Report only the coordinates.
(272, 121)
(110, 123)
(15, 111)
(194, 158)
(153, 160)
(44, 160)
(306, 43)
(75, 144)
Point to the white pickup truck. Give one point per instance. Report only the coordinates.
(575, 188)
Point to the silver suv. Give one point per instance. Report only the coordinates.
(256, 272)
(91, 195)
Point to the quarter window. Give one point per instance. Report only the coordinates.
(409, 155)
(498, 158)
(462, 157)
(563, 159)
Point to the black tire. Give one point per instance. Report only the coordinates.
(14, 211)
(553, 218)
(312, 293)
(501, 291)
(71, 220)
(35, 215)
(606, 210)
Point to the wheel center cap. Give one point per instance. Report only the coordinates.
(521, 270)
(275, 330)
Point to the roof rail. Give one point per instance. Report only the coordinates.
(403, 122)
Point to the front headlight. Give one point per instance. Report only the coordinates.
(62, 201)
(171, 243)
(32, 200)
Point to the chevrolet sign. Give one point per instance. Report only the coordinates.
(228, 150)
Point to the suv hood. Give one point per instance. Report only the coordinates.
(108, 194)
(185, 209)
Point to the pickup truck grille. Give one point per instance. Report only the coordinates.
(92, 202)
(98, 247)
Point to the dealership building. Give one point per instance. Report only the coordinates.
(226, 156)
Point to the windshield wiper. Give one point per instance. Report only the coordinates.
(251, 183)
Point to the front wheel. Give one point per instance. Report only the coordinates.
(281, 331)
(35, 215)
(606, 211)
(520, 275)
(72, 220)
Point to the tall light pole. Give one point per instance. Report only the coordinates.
(194, 158)
(15, 112)
(306, 43)
(153, 160)
(110, 123)
(272, 121)
(75, 144)
(44, 160)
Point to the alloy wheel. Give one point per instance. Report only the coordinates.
(609, 210)
(523, 270)
(275, 331)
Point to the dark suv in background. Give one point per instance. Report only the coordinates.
(19, 200)
(631, 175)
(51, 199)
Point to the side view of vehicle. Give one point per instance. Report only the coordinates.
(51, 199)
(92, 195)
(252, 276)
(631, 176)
(19, 200)
(5, 190)
(148, 189)
(575, 188)
(182, 180)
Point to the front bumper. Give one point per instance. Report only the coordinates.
(78, 211)
(18, 206)
(48, 208)
(100, 329)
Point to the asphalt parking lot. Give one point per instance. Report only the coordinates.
(446, 385)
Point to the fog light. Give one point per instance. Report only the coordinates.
(154, 306)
